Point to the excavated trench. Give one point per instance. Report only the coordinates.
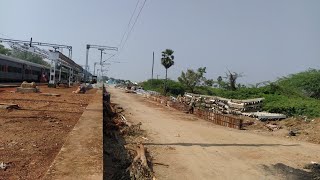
(124, 155)
(116, 159)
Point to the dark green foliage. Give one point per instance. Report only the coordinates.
(209, 82)
(307, 82)
(167, 58)
(167, 61)
(191, 78)
(292, 106)
(4, 50)
(174, 88)
(28, 56)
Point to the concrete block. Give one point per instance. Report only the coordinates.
(27, 90)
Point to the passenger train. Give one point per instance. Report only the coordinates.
(17, 70)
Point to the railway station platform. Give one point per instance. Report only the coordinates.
(81, 156)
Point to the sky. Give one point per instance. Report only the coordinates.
(262, 39)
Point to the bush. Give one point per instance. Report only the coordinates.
(292, 106)
(174, 88)
(306, 83)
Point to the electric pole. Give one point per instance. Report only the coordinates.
(152, 65)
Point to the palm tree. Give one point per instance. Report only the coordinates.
(219, 81)
(167, 62)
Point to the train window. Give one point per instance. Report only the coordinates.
(0, 68)
(10, 69)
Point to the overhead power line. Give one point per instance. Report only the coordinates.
(128, 26)
(129, 33)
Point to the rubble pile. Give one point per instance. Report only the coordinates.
(248, 107)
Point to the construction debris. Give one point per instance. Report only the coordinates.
(131, 130)
(292, 133)
(272, 127)
(263, 116)
(81, 90)
(139, 168)
(248, 107)
(8, 106)
(312, 165)
(28, 87)
(141, 155)
(5, 166)
(25, 84)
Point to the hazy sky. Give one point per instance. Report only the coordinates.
(263, 39)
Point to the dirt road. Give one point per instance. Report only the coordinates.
(196, 149)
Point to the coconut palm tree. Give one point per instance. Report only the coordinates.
(167, 62)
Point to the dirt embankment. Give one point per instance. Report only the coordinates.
(293, 128)
(32, 136)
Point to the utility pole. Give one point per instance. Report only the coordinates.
(152, 65)
(157, 76)
(101, 50)
(86, 68)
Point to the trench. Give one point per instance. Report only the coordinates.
(116, 159)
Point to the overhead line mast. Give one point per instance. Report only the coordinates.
(100, 48)
(30, 43)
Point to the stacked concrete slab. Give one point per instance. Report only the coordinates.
(247, 107)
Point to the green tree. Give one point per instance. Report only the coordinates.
(307, 83)
(4, 50)
(232, 80)
(220, 80)
(167, 61)
(191, 79)
(28, 56)
(209, 82)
